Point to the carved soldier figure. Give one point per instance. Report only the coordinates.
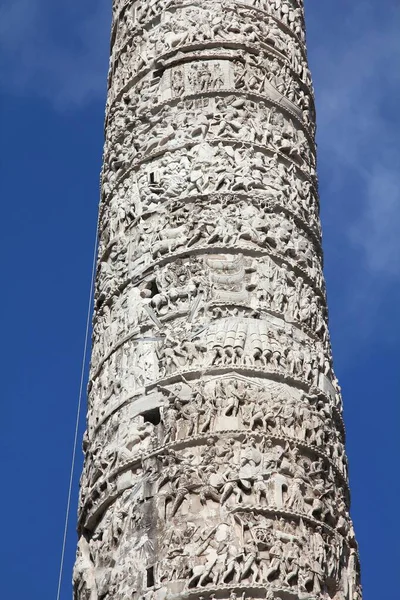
(295, 499)
(292, 560)
(261, 490)
(188, 410)
(276, 350)
(210, 413)
(170, 417)
(171, 354)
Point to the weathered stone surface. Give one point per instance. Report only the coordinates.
(215, 462)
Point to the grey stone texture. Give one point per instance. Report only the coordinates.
(215, 465)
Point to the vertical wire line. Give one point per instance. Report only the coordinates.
(78, 414)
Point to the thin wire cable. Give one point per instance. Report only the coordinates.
(78, 415)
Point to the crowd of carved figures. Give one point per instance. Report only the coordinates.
(199, 23)
(215, 464)
(223, 118)
(274, 497)
(130, 18)
(257, 74)
(236, 557)
(203, 408)
(214, 287)
(182, 172)
(232, 25)
(189, 225)
(193, 23)
(244, 343)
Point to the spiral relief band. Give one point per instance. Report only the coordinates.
(215, 463)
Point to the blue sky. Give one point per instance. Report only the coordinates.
(53, 62)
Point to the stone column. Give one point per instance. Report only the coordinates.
(215, 463)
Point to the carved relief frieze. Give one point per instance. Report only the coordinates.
(205, 289)
(205, 24)
(222, 118)
(131, 16)
(215, 464)
(265, 472)
(261, 74)
(242, 168)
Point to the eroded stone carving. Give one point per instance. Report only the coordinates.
(215, 465)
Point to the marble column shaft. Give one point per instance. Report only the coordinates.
(215, 464)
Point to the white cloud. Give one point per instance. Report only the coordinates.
(355, 55)
(377, 231)
(357, 81)
(55, 50)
